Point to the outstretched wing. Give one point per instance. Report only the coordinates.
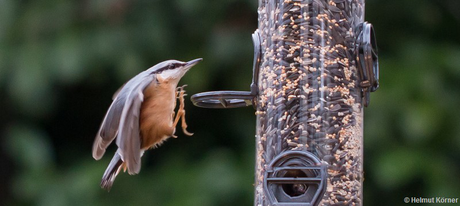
(112, 121)
(109, 126)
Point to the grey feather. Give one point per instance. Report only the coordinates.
(128, 140)
(109, 127)
(111, 123)
(111, 172)
(118, 91)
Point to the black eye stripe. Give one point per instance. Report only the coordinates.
(176, 65)
(168, 67)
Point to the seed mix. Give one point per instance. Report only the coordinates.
(309, 99)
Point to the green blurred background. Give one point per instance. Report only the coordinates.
(61, 61)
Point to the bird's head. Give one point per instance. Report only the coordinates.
(173, 70)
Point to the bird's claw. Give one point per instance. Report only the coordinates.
(180, 91)
(181, 111)
(181, 88)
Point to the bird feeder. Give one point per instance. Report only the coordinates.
(315, 64)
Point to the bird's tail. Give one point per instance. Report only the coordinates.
(111, 172)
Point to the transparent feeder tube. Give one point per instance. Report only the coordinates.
(309, 99)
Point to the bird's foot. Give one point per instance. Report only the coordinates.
(181, 111)
(180, 91)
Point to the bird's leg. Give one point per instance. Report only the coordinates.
(176, 119)
(181, 111)
(178, 114)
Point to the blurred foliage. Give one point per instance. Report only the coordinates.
(61, 61)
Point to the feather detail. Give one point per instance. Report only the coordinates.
(111, 172)
(109, 127)
(129, 140)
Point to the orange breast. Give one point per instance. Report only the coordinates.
(156, 117)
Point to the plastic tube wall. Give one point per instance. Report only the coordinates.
(309, 108)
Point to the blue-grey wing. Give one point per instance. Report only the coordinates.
(128, 138)
(109, 127)
(111, 123)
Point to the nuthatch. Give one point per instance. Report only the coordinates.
(142, 117)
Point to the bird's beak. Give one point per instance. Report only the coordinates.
(192, 63)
